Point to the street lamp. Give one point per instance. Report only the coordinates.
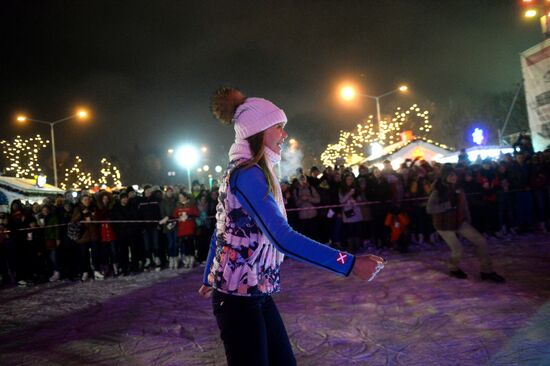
(187, 156)
(349, 93)
(80, 114)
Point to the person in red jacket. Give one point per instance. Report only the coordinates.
(397, 220)
(186, 212)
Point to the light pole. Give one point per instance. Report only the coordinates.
(187, 156)
(80, 114)
(349, 93)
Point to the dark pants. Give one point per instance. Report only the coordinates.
(85, 250)
(151, 242)
(252, 331)
(186, 245)
(109, 253)
(7, 261)
(172, 239)
(203, 242)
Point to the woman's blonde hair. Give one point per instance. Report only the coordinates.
(257, 148)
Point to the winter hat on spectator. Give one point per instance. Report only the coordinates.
(250, 115)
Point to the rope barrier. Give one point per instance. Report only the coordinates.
(365, 203)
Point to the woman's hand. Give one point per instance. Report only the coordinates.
(205, 291)
(368, 266)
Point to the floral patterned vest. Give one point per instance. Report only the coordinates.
(245, 262)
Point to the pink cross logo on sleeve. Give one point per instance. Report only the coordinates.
(342, 258)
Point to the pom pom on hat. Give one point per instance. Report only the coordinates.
(225, 102)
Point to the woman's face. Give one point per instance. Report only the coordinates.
(349, 181)
(85, 201)
(274, 137)
(451, 178)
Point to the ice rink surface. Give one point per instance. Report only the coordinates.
(412, 314)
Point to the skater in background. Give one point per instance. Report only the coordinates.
(451, 216)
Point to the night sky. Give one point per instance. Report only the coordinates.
(146, 69)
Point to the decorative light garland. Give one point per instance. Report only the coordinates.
(351, 145)
(110, 174)
(76, 178)
(22, 156)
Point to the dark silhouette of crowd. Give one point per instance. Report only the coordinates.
(123, 233)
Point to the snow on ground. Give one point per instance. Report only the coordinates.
(412, 314)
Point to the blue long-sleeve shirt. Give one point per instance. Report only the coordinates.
(252, 235)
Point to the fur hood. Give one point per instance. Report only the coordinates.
(99, 200)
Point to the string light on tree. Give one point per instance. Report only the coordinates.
(22, 156)
(351, 146)
(110, 174)
(76, 177)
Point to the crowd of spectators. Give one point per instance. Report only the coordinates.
(106, 234)
(170, 228)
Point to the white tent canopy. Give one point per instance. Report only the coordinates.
(25, 189)
(399, 152)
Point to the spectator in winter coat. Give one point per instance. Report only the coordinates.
(89, 238)
(105, 204)
(18, 220)
(397, 221)
(52, 240)
(380, 192)
(351, 213)
(167, 207)
(306, 197)
(126, 234)
(186, 212)
(149, 210)
(366, 215)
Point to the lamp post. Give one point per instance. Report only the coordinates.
(187, 156)
(80, 114)
(349, 93)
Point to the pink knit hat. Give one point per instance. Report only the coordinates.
(256, 115)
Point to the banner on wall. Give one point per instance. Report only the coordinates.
(535, 64)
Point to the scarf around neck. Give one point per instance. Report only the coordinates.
(240, 150)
